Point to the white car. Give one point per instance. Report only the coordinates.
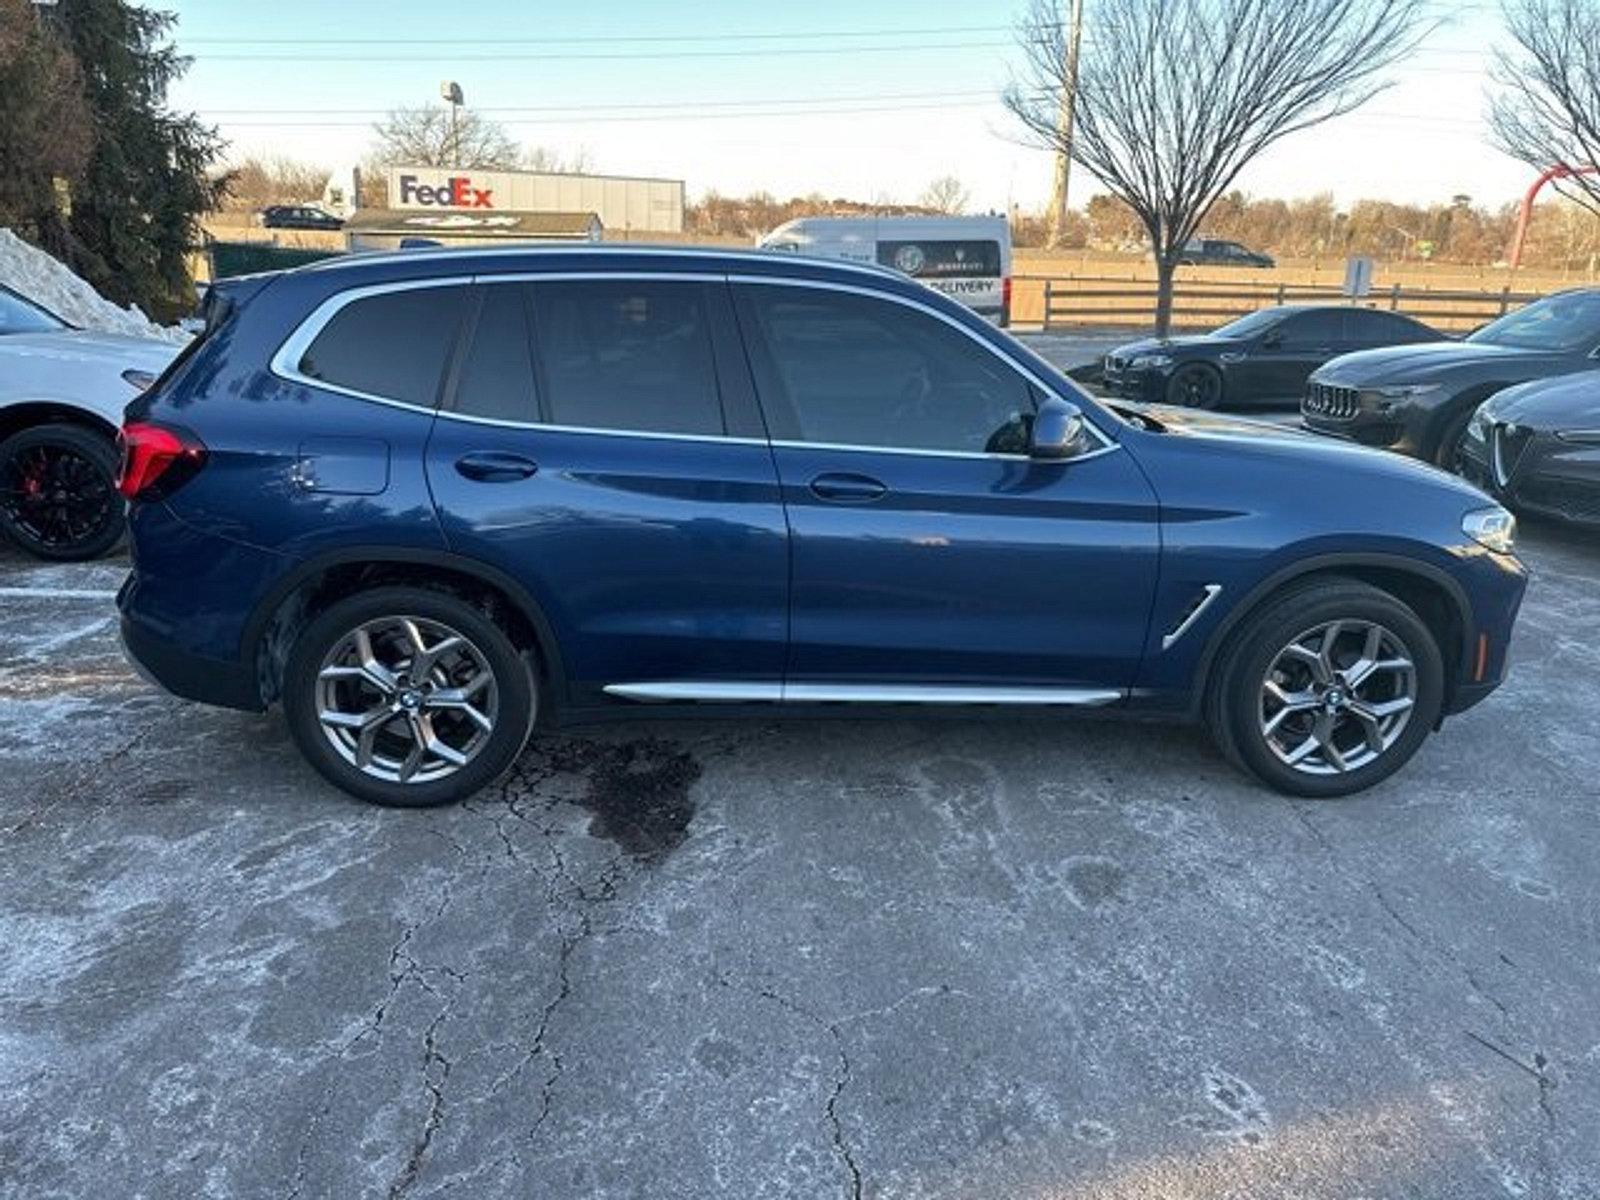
(62, 391)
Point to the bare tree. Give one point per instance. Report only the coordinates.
(1546, 110)
(946, 194)
(258, 182)
(426, 137)
(1175, 97)
(542, 158)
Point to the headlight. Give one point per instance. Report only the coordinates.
(139, 379)
(1151, 362)
(1491, 527)
(1587, 437)
(1406, 391)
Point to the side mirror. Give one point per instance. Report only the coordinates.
(1057, 430)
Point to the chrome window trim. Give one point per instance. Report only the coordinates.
(869, 693)
(285, 361)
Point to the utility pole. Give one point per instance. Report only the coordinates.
(1064, 120)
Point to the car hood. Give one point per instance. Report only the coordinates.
(1571, 402)
(1256, 438)
(1174, 345)
(86, 346)
(1427, 362)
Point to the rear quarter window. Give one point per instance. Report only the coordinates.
(393, 345)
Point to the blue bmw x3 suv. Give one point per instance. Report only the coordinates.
(430, 502)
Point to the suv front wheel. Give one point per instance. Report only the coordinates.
(1330, 688)
(408, 697)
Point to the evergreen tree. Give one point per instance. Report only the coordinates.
(45, 134)
(136, 214)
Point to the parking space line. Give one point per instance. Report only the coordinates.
(39, 593)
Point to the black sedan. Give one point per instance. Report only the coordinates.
(1259, 361)
(298, 216)
(1418, 399)
(1537, 447)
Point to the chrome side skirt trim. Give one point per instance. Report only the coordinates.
(870, 693)
(1212, 591)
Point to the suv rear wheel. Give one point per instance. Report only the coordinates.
(58, 492)
(1328, 689)
(408, 697)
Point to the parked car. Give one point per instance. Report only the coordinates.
(966, 258)
(1261, 360)
(430, 502)
(299, 216)
(1211, 252)
(1418, 399)
(1536, 447)
(62, 391)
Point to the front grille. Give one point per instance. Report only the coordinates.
(1331, 401)
(1507, 445)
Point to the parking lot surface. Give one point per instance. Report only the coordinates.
(886, 958)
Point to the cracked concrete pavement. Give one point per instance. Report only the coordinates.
(876, 958)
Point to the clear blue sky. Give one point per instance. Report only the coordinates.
(722, 94)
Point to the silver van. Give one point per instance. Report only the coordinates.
(966, 258)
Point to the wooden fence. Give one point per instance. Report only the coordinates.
(1058, 303)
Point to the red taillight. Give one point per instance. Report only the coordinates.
(156, 459)
(1005, 301)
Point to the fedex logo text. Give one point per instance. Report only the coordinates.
(455, 192)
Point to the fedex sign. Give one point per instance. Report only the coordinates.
(455, 192)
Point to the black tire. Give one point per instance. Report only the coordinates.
(1234, 707)
(1447, 453)
(58, 493)
(514, 708)
(1195, 385)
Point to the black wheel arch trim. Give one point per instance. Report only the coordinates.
(349, 556)
(1423, 572)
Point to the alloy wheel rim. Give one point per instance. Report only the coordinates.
(55, 496)
(1337, 697)
(1198, 388)
(406, 699)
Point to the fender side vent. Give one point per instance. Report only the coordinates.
(1198, 605)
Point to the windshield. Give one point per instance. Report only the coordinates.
(1569, 322)
(1251, 324)
(22, 316)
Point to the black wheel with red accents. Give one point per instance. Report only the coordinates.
(58, 492)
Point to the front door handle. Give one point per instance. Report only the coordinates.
(842, 488)
(493, 466)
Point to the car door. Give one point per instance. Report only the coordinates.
(930, 557)
(600, 445)
(1274, 369)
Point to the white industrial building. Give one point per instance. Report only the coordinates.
(624, 205)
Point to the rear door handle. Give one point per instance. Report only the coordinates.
(843, 488)
(493, 466)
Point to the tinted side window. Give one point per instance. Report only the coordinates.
(857, 371)
(496, 377)
(1312, 329)
(392, 345)
(627, 355)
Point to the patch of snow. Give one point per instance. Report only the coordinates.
(32, 273)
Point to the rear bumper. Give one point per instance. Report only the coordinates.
(187, 675)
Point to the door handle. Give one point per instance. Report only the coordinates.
(493, 466)
(842, 488)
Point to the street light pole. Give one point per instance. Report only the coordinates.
(451, 91)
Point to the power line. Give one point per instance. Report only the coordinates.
(693, 105)
(591, 39)
(500, 56)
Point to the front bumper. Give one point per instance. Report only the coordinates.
(1146, 384)
(1363, 417)
(1534, 472)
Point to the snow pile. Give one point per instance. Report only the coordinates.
(32, 273)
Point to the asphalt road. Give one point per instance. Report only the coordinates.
(1019, 958)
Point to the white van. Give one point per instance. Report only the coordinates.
(966, 258)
